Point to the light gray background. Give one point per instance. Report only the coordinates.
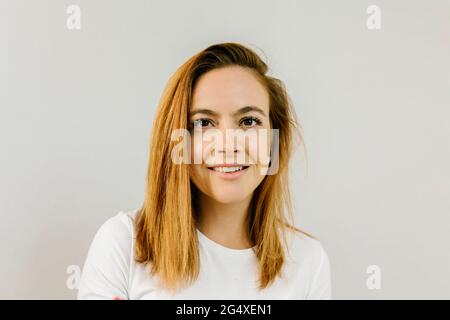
(76, 109)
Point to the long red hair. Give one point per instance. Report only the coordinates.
(166, 235)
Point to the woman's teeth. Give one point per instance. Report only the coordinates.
(227, 169)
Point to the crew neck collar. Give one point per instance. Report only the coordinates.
(215, 245)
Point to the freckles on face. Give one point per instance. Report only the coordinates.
(227, 99)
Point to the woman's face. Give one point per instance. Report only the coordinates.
(224, 101)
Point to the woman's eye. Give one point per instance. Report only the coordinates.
(250, 122)
(201, 123)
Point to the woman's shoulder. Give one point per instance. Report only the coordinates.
(113, 241)
(308, 264)
(309, 259)
(305, 248)
(107, 266)
(120, 226)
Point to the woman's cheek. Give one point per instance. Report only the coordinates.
(259, 151)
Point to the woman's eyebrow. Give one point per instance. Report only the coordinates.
(248, 109)
(204, 111)
(241, 111)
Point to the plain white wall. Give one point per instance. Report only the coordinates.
(76, 108)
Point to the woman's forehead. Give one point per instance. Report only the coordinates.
(226, 90)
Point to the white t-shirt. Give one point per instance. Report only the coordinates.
(110, 270)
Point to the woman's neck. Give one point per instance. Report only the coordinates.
(224, 223)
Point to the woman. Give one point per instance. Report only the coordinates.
(218, 228)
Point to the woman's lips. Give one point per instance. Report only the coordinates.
(219, 171)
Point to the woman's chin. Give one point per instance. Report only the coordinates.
(228, 196)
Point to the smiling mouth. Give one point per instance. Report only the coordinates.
(228, 169)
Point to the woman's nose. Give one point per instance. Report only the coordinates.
(230, 146)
